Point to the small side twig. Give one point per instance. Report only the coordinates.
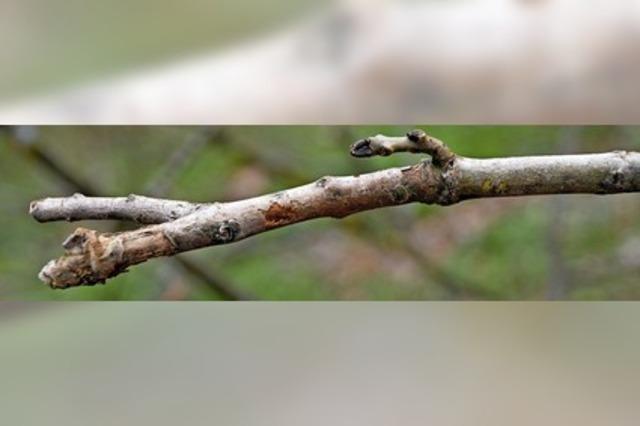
(416, 141)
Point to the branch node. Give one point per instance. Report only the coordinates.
(449, 193)
(614, 182)
(322, 182)
(226, 231)
(441, 155)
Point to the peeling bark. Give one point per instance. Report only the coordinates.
(178, 226)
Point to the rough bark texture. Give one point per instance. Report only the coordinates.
(177, 226)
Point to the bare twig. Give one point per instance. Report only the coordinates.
(134, 208)
(149, 211)
(415, 141)
(93, 257)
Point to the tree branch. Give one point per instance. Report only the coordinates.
(92, 257)
(133, 208)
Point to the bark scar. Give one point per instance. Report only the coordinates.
(278, 215)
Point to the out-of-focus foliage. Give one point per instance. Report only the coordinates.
(317, 364)
(59, 43)
(575, 247)
(304, 62)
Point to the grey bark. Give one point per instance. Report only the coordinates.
(135, 208)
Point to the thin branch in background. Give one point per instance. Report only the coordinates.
(279, 165)
(25, 139)
(456, 287)
(559, 277)
(166, 176)
(92, 257)
(222, 287)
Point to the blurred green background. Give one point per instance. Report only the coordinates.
(59, 43)
(318, 364)
(535, 248)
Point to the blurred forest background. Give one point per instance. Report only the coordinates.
(58, 43)
(558, 247)
(310, 62)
